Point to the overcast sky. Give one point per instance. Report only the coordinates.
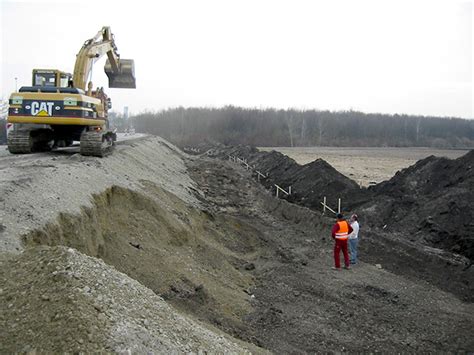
(397, 56)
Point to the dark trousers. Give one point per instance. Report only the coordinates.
(341, 244)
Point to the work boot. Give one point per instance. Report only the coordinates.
(336, 268)
(347, 267)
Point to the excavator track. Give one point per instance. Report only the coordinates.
(20, 142)
(29, 141)
(96, 144)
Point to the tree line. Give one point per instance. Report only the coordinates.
(299, 128)
(296, 128)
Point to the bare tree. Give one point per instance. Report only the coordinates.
(320, 130)
(289, 122)
(303, 131)
(418, 124)
(271, 127)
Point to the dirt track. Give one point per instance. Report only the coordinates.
(202, 234)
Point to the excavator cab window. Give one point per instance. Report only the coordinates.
(44, 79)
(64, 80)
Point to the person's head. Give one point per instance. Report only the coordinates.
(354, 217)
(339, 217)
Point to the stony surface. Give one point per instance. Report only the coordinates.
(59, 300)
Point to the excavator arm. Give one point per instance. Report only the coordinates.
(121, 72)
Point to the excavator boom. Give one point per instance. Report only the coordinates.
(121, 72)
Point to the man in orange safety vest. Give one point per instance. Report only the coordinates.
(340, 233)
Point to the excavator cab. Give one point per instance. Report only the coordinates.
(51, 77)
(123, 75)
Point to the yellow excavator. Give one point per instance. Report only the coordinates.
(60, 108)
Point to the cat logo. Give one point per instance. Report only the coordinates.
(42, 108)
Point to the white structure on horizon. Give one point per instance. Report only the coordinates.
(3, 109)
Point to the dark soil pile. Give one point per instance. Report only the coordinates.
(431, 202)
(310, 183)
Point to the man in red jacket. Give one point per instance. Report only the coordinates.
(340, 233)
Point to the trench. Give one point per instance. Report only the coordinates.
(209, 265)
(177, 251)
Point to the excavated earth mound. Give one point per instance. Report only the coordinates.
(432, 201)
(310, 183)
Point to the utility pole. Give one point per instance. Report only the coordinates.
(16, 84)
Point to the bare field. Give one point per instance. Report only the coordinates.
(365, 165)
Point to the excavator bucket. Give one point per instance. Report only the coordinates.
(123, 78)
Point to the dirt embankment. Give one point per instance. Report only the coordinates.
(36, 188)
(141, 221)
(172, 249)
(310, 183)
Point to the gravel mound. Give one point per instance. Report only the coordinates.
(59, 300)
(36, 188)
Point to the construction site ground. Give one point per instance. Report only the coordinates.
(154, 250)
